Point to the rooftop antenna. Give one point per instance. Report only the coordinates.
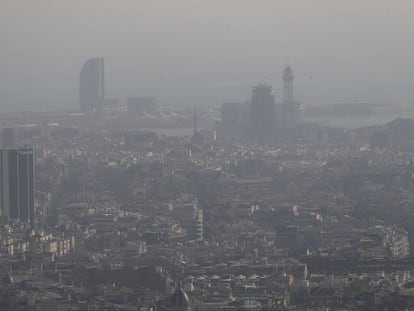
(194, 122)
(264, 77)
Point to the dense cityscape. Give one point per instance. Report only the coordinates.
(124, 205)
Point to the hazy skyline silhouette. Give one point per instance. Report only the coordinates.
(195, 52)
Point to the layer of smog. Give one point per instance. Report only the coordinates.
(193, 155)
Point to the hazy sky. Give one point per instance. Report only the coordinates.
(204, 52)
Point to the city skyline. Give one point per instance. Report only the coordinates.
(193, 155)
(219, 56)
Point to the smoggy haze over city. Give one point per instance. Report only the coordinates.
(198, 52)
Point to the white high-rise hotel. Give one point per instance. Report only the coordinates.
(92, 86)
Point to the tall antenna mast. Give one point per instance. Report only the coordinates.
(194, 122)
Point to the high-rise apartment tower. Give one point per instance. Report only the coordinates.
(17, 184)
